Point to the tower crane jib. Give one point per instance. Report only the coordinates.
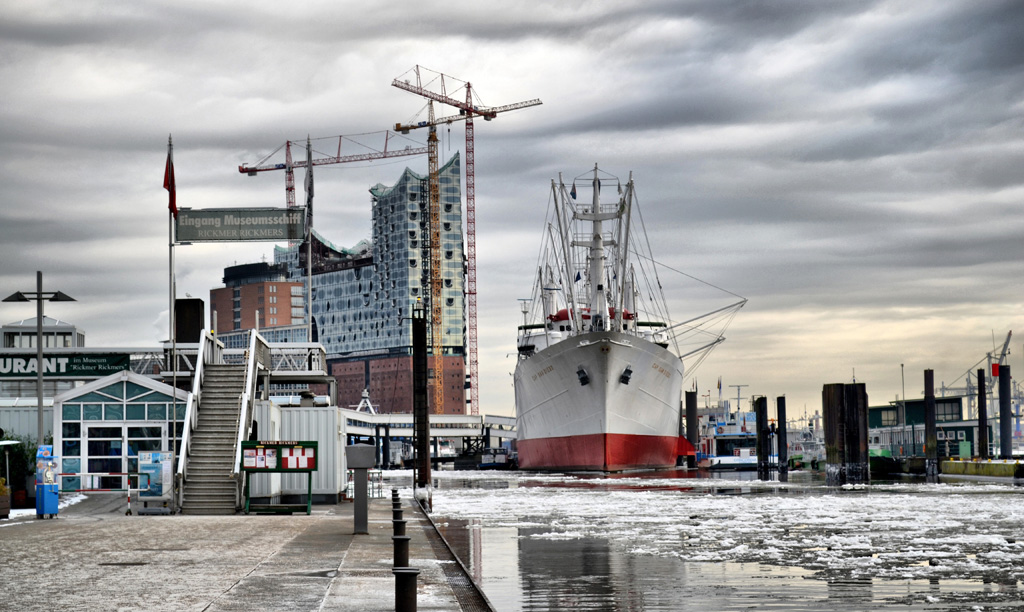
(467, 111)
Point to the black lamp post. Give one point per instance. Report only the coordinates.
(39, 296)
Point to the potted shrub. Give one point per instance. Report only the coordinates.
(5, 499)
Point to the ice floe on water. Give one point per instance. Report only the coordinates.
(898, 531)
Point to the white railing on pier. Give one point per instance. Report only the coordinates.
(210, 350)
(287, 357)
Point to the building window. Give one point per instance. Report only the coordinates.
(888, 417)
(947, 411)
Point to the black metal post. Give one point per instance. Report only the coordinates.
(780, 413)
(692, 429)
(931, 438)
(420, 405)
(401, 543)
(982, 450)
(405, 588)
(1005, 414)
(763, 444)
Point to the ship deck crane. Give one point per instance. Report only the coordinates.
(467, 110)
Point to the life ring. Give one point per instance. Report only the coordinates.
(721, 430)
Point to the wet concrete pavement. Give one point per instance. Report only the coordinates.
(95, 557)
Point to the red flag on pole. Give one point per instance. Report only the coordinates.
(172, 204)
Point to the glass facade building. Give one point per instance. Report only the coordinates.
(363, 297)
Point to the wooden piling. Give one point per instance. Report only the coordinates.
(845, 409)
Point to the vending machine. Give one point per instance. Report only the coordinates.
(47, 468)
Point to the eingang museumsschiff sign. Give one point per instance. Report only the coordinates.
(239, 224)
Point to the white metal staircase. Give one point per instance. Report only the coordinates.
(210, 488)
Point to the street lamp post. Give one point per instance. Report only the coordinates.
(39, 296)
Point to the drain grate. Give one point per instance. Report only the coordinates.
(469, 596)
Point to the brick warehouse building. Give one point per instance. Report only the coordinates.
(257, 287)
(363, 296)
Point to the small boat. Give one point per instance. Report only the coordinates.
(807, 448)
(497, 459)
(729, 444)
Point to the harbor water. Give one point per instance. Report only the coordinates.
(682, 540)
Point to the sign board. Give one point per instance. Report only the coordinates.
(239, 224)
(157, 466)
(65, 365)
(278, 456)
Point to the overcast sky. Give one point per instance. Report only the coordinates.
(854, 169)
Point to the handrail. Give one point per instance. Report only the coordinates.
(211, 350)
(258, 358)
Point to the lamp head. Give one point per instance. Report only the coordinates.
(60, 296)
(16, 297)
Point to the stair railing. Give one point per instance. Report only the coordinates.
(257, 359)
(211, 350)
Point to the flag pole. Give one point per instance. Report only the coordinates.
(172, 213)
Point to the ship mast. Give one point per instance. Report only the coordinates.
(598, 304)
(626, 207)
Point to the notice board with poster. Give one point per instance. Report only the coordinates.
(279, 456)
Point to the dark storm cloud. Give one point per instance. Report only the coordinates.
(838, 163)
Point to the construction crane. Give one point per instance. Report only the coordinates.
(289, 166)
(467, 110)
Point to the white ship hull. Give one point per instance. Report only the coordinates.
(606, 418)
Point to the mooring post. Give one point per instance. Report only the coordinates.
(982, 450)
(405, 588)
(780, 414)
(401, 543)
(762, 444)
(845, 408)
(692, 430)
(1005, 414)
(832, 400)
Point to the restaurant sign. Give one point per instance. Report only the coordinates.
(91, 365)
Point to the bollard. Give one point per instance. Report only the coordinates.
(401, 550)
(396, 514)
(399, 526)
(396, 504)
(405, 588)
